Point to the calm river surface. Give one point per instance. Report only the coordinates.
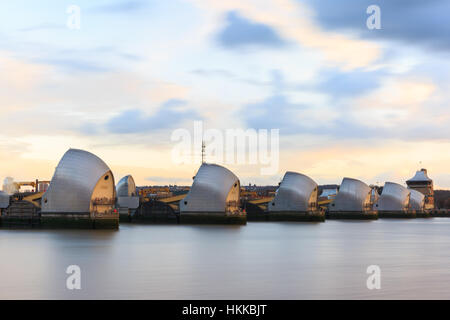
(257, 261)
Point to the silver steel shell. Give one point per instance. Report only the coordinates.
(126, 187)
(416, 200)
(353, 195)
(297, 192)
(73, 182)
(394, 197)
(210, 189)
(4, 200)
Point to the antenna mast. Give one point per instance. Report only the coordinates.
(203, 151)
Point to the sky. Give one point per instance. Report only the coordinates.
(348, 101)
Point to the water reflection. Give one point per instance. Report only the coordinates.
(257, 261)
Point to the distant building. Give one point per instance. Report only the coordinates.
(254, 192)
(328, 193)
(422, 183)
(9, 186)
(154, 192)
(42, 186)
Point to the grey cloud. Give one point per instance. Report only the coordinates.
(243, 33)
(278, 112)
(135, 121)
(415, 22)
(351, 83)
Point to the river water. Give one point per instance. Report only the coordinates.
(258, 261)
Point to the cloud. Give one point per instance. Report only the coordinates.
(241, 32)
(371, 162)
(106, 50)
(349, 83)
(77, 102)
(119, 7)
(397, 108)
(213, 73)
(44, 26)
(415, 22)
(278, 111)
(88, 129)
(295, 21)
(71, 65)
(399, 93)
(172, 103)
(168, 115)
(272, 113)
(70, 58)
(20, 86)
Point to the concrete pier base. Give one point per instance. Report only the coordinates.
(106, 223)
(156, 219)
(213, 218)
(59, 222)
(423, 214)
(124, 214)
(318, 216)
(397, 214)
(19, 222)
(440, 213)
(124, 218)
(78, 221)
(355, 215)
(20, 214)
(263, 216)
(155, 212)
(255, 212)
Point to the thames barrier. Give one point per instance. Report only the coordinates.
(82, 194)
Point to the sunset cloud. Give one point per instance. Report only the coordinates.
(348, 101)
(294, 21)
